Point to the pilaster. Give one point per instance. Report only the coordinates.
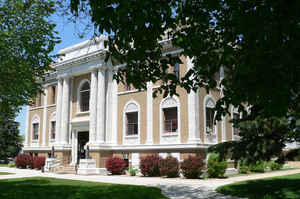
(101, 107)
(65, 111)
(149, 114)
(93, 106)
(59, 111)
(45, 117)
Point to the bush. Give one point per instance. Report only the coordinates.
(38, 162)
(11, 164)
(215, 167)
(192, 167)
(275, 166)
(132, 171)
(149, 165)
(258, 167)
(169, 167)
(23, 161)
(243, 167)
(115, 165)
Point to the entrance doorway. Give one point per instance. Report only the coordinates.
(83, 138)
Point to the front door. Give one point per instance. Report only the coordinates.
(83, 138)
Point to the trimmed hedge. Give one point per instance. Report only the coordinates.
(169, 167)
(115, 165)
(23, 161)
(192, 167)
(38, 162)
(149, 165)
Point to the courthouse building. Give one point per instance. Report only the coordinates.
(82, 105)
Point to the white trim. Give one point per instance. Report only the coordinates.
(130, 91)
(45, 117)
(206, 100)
(173, 138)
(149, 124)
(78, 109)
(35, 120)
(26, 133)
(52, 119)
(131, 139)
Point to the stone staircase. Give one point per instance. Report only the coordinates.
(66, 170)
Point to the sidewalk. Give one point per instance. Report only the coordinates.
(174, 188)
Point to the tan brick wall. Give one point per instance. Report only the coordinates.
(50, 94)
(50, 110)
(141, 99)
(32, 113)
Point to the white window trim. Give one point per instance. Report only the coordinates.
(52, 119)
(207, 98)
(35, 120)
(161, 122)
(79, 112)
(234, 110)
(129, 137)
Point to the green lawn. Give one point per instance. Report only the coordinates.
(3, 165)
(287, 187)
(50, 188)
(5, 173)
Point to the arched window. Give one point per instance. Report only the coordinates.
(131, 112)
(35, 124)
(169, 108)
(84, 97)
(210, 127)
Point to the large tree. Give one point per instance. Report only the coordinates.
(27, 37)
(256, 42)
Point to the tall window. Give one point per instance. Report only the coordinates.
(177, 71)
(170, 120)
(53, 94)
(35, 131)
(209, 120)
(53, 127)
(132, 123)
(235, 116)
(85, 97)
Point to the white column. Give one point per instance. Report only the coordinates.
(45, 117)
(74, 147)
(193, 112)
(223, 117)
(114, 111)
(59, 111)
(26, 134)
(101, 107)
(65, 111)
(149, 114)
(93, 107)
(108, 106)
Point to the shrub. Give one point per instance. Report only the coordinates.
(192, 167)
(38, 162)
(23, 161)
(169, 167)
(115, 165)
(132, 171)
(275, 166)
(149, 165)
(11, 164)
(258, 167)
(243, 167)
(215, 167)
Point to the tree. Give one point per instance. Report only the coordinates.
(255, 43)
(27, 37)
(10, 139)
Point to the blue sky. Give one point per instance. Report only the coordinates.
(68, 32)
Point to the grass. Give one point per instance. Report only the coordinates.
(50, 188)
(250, 173)
(287, 187)
(5, 173)
(3, 165)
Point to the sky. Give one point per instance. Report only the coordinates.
(69, 34)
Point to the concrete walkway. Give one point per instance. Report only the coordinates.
(174, 188)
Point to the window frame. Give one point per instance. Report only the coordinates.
(79, 96)
(172, 120)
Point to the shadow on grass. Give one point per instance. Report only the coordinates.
(37, 188)
(287, 187)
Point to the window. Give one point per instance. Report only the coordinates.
(85, 97)
(235, 116)
(53, 94)
(177, 71)
(209, 120)
(132, 123)
(170, 120)
(53, 126)
(35, 132)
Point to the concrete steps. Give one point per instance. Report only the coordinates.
(66, 170)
